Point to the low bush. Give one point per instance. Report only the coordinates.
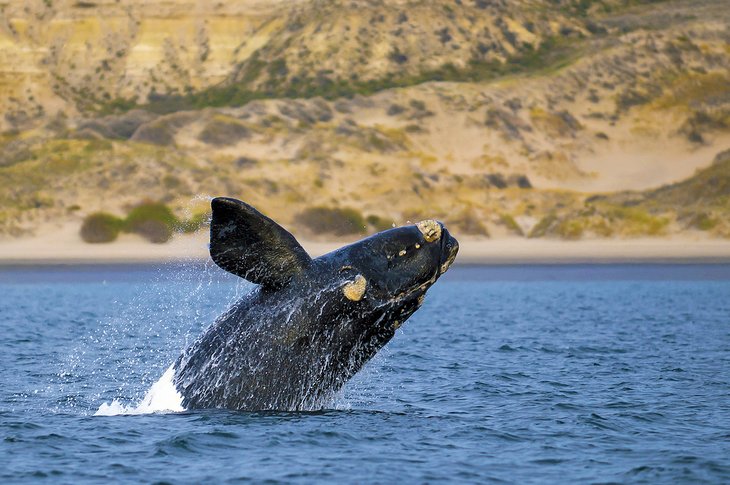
(378, 223)
(635, 221)
(703, 222)
(97, 145)
(152, 220)
(333, 220)
(469, 223)
(543, 227)
(154, 231)
(571, 229)
(101, 227)
(509, 222)
(395, 109)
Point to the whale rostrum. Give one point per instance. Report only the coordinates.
(310, 324)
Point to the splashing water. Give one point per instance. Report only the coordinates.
(136, 342)
(162, 397)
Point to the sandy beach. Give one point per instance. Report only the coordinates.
(62, 245)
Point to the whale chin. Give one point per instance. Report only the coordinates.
(449, 250)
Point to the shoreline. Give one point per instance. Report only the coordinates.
(64, 247)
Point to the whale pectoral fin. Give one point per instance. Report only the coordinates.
(250, 245)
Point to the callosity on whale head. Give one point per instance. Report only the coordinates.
(312, 323)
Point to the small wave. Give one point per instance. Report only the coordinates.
(162, 397)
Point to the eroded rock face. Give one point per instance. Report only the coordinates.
(120, 126)
(222, 131)
(639, 102)
(74, 56)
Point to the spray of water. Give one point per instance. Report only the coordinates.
(135, 347)
(162, 397)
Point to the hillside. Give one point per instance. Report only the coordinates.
(80, 56)
(699, 204)
(501, 118)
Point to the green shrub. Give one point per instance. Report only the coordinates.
(171, 182)
(97, 145)
(418, 105)
(509, 222)
(378, 223)
(395, 109)
(468, 222)
(543, 227)
(154, 231)
(630, 98)
(637, 222)
(100, 227)
(601, 228)
(570, 229)
(151, 220)
(703, 222)
(337, 221)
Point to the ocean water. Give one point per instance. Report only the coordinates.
(535, 374)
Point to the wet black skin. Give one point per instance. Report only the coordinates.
(296, 339)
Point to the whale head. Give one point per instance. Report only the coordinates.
(398, 263)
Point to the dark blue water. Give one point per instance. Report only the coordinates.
(507, 374)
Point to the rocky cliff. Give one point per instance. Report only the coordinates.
(496, 115)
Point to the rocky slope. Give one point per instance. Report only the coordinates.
(498, 117)
(73, 56)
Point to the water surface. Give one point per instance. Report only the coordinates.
(532, 374)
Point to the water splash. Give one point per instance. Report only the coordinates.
(147, 315)
(162, 397)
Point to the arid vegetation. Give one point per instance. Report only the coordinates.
(336, 221)
(568, 119)
(101, 227)
(153, 221)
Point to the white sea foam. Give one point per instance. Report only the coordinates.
(162, 397)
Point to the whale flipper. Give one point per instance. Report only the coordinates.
(250, 245)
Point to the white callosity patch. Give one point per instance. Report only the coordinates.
(162, 397)
(430, 229)
(354, 290)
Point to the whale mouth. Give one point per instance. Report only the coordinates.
(449, 248)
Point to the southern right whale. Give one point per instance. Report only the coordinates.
(311, 324)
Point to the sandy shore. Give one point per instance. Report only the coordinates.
(63, 246)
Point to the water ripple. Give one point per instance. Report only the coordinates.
(547, 379)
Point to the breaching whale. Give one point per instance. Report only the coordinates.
(311, 324)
